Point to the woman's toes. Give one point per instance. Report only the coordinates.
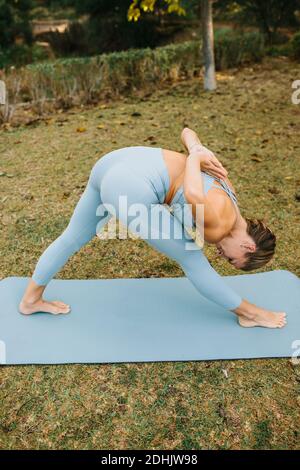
(55, 308)
(63, 308)
(60, 304)
(56, 311)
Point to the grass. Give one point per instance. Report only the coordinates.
(254, 129)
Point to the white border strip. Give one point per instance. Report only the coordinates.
(2, 352)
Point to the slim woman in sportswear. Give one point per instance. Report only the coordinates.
(163, 181)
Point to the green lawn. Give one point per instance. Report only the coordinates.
(254, 129)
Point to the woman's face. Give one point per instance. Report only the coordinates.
(234, 249)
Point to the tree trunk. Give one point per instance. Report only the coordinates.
(208, 45)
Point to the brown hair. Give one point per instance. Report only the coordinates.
(265, 241)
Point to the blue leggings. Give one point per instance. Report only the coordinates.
(140, 174)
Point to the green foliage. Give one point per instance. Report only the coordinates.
(279, 50)
(295, 45)
(75, 81)
(102, 7)
(14, 21)
(107, 29)
(268, 16)
(138, 7)
(21, 54)
(116, 73)
(233, 49)
(126, 70)
(263, 434)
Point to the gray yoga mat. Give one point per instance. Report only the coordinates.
(141, 320)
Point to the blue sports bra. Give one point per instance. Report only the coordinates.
(180, 208)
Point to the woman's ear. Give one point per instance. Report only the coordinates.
(249, 246)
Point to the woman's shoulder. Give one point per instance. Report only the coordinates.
(229, 184)
(223, 208)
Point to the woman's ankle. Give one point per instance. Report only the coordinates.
(29, 301)
(246, 310)
(33, 293)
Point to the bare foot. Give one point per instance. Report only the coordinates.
(55, 307)
(264, 319)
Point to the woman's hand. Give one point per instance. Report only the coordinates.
(208, 161)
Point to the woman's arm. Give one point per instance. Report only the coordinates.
(194, 193)
(190, 139)
(209, 163)
(193, 185)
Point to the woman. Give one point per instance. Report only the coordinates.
(168, 184)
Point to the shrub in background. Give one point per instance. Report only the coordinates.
(295, 46)
(74, 81)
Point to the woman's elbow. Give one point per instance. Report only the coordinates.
(193, 196)
(184, 131)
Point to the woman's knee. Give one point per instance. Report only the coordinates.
(71, 240)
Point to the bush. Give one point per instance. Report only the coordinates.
(74, 81)
(295, 46)
(279, 50)
(15, 22)
(233, 49)
(21, 54)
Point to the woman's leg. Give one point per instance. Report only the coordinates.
(164, 232)
(80, 230)
(158, 227)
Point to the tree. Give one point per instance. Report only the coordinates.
(167, 6)
(108, 29)
(208, 46)
(175, 6)
(14, 21)
(268, 15)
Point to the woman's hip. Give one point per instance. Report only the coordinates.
(141, 166)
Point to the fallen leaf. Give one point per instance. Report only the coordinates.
(49, 121)
(273, 190)
(81, 129)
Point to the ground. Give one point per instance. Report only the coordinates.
(253, 127)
